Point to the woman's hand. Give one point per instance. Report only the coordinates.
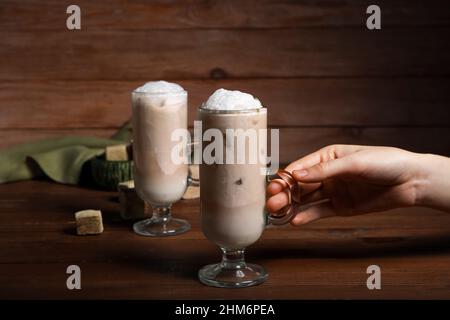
(362, 179)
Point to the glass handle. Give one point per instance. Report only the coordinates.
(190, 150)
(290, 211)
(193, 181)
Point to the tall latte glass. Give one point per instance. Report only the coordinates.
(158, 109)
(232, 195)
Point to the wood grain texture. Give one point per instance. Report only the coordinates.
(13, 137)
(194, 54)
(164, 14)
(325, 79)
(326, 259)
(295, 142)
(291, 102)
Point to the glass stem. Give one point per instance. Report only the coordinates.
(233, 259)
(162, 214)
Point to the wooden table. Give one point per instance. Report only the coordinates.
(327, 259)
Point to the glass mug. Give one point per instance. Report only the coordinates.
(233, 271)
(232, 201)
(159, 180)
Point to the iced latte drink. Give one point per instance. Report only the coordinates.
(232, 191)
(159, 108)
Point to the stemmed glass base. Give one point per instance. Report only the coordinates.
(161, 224)
(232, 272)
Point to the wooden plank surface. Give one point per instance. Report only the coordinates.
(295, 142)
(139, 15)
(323, 75)
(193, 54)
(291, 102)
(326, 259)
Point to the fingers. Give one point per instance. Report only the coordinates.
(326, 170)
(314, 196)
(278, 201)
(281, 198)
(311, 170)
(312, 214)
(327, 153)
(276, 186)
(306, 188)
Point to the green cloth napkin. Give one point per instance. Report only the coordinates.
(60, 159)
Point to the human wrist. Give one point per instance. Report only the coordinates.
(422, 178)
(432, 181)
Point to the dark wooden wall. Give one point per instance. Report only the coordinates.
(324, 77)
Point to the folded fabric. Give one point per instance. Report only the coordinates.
(60, 159)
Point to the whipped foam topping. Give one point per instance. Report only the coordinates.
(160, 87)
(223, 99)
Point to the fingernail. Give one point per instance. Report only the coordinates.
(301, 173)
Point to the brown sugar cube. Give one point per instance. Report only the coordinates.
(191, 193)
(194, 170)
(131, 206)
(89, 222)
(117, 153)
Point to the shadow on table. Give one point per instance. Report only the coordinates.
(166, 261)
(358, 247)
(167, 258)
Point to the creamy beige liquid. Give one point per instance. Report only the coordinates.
(233, 195)
(158, 179)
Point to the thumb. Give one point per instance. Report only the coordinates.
(324, 170)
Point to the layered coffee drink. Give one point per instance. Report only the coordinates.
(159, 109)
(233, 183)
(233, 194)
